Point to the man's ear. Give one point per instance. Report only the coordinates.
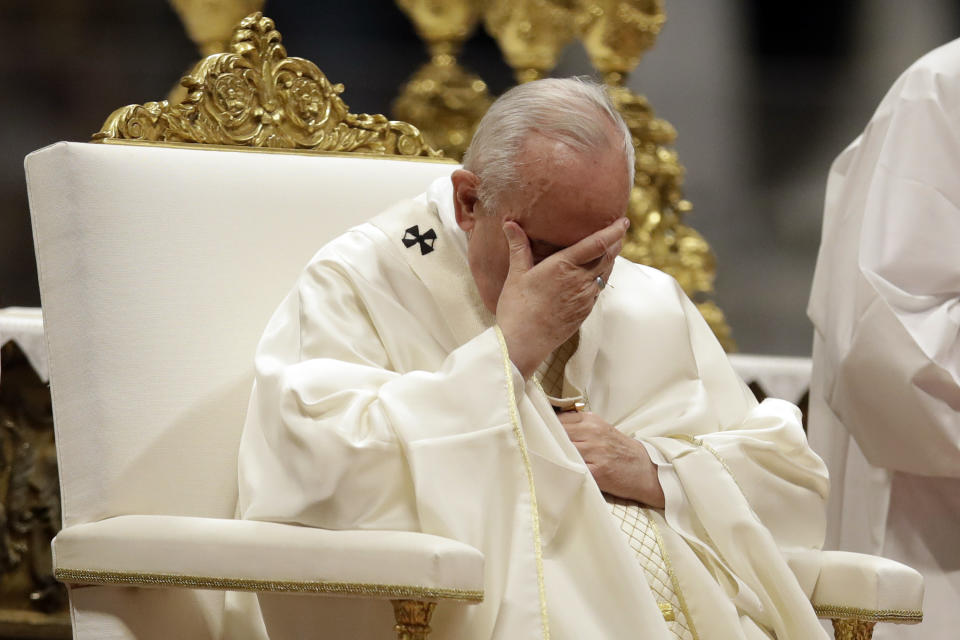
(465, 184)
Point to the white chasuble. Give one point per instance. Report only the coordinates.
(885, 393)
(385, 399)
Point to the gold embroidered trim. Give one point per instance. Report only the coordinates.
(716, 454)
(535, 512)
(399, 591)
(901, 616)
(673, 580)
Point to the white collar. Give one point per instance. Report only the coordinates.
(440, 195)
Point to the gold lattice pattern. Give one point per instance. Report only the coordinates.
(640, 534)
(551, 371)
(256, 96)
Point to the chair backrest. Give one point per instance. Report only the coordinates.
(159, 268)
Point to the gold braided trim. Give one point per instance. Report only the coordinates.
(133, 578)
(899, 616)
(298, 152)
(673, 579)
(534, 510)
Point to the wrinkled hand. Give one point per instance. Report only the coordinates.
(542, 305)
(620, 464)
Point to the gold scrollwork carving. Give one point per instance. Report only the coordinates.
(257, 96)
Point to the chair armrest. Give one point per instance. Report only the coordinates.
(859, 586)
(243, 555)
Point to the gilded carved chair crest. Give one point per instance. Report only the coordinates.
(254, 95)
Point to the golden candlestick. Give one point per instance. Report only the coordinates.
(531, 33)
(443, 99)
(209, 24)
(615, 34)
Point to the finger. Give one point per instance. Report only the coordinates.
(579, 432)
(521, 260)
(597, 244)
(570, 416)
(603, 265)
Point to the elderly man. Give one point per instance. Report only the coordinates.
(478, 364)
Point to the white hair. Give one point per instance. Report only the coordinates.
(563, 109)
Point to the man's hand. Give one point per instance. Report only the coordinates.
(542, 305)
(620, 464)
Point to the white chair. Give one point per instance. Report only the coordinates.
(159, 268)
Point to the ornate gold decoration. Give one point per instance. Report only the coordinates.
(209, 24)
(847, 629)
(134, 578)
(615, 34)
(413, 618)
(257, 96)
(531, 33)
(443, 99)
(32, 603)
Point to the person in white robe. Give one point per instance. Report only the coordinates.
(885, 396)
(478, 364)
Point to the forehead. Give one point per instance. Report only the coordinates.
(566, 194)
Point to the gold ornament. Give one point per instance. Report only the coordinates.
(615, 34)
(531, 33)
(851, 629)
(443, 99)
(256, 96)
(209, 24)
(413, 618)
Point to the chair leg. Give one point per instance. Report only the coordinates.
(413, 618)
(852, 629)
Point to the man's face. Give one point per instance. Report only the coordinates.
(565, 196)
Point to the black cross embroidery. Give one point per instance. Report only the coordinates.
(412, 236)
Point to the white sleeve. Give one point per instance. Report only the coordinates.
(896, 384)
(330, 425)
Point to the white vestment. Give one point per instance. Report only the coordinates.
(385, 399)
(885, 396)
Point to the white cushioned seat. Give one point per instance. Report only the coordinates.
(857, 585)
